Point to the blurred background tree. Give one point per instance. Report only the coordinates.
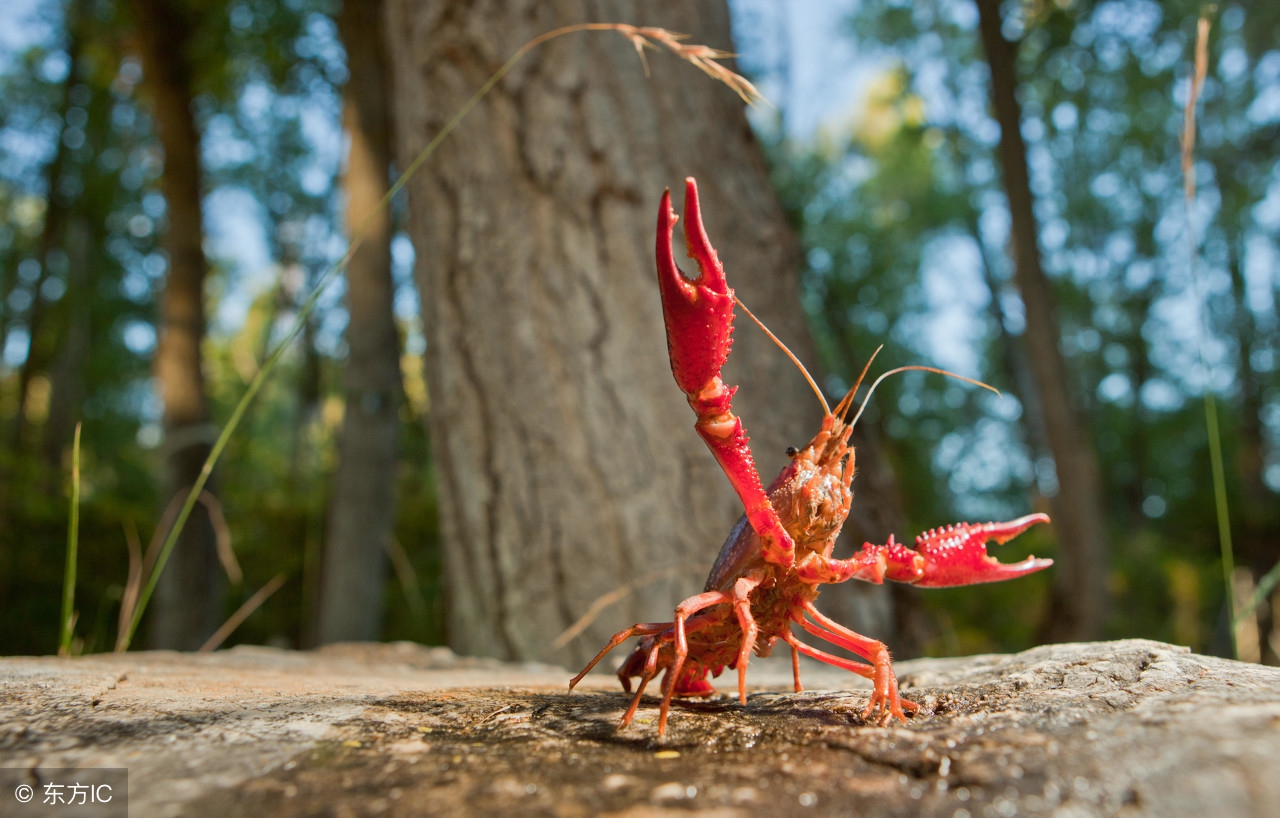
(360, 534)
(907, 220)
(266, 80)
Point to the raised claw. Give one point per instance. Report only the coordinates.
(699, 311)
(699, 318)
(957, 555)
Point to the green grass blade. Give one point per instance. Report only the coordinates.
(1265, 586)
(73, 546)
(1223, 513)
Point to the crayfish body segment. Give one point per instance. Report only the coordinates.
(769, 570)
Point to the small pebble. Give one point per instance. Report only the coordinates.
(670, 791)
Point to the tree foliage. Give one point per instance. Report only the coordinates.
(907, 233)
(267, 76)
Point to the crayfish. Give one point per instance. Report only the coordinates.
(779, 553)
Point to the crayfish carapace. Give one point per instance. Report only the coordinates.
(779, 553)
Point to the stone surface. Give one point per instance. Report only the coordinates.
(1118, 728)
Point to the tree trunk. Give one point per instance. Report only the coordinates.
(567, 465)
(188, 601)
(363, 507)
(1078, 603)
(42, 342)
(66, 375)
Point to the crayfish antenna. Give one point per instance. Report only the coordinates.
(843, 406)
(915, 368)
(826, 410)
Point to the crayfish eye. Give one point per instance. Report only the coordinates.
(792, 451)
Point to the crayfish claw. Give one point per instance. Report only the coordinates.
(957, 554)
(698, 246)
(698, 314)
(699, 311)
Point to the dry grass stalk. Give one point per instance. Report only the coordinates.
(140, 567)
(408, 579)
(704, 57)
(242, 613)
(1189, 113)
(134, 583)
(222, 537)
(617, 595)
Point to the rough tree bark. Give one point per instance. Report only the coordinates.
(188, 600)
(567, 466)
(1078, 601)
(362, 509)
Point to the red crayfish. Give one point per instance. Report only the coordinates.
(779, 553)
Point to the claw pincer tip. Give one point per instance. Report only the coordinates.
(957, 554)
(699, 311)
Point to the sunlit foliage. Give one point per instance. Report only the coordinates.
(80, 270)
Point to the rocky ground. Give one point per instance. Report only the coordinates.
(1116, 728)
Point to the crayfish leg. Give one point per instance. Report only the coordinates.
(795, 668)
(684, 610)
(840, 636)
(742, 589)
(884, 698)
(650, 670)
(798, 647)
(639, 629)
